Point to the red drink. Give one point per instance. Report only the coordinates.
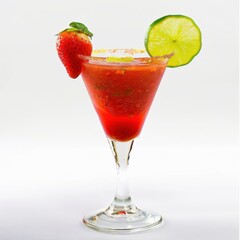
(122, 93)
(122, 84)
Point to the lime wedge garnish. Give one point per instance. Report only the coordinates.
(175, 34)
(119, 59)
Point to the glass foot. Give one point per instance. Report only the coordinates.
(122, 221)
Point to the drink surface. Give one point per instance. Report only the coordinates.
(122, 94)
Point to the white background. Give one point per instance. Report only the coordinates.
(55, 164)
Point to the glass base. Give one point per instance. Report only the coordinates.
(130, 221)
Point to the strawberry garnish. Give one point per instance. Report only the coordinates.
(71, 43)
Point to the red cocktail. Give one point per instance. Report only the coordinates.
(122, 85)
(122, 92)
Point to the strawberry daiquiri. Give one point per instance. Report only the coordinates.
(122, 93)
(122, 84)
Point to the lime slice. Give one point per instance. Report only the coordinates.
(119, 59)
(175, 34)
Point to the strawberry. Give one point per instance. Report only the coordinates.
(71, 43)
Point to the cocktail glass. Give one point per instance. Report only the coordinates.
(122, 84)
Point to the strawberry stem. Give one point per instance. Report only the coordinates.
(81, 28)
(77, 27)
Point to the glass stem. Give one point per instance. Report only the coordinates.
(122, 203)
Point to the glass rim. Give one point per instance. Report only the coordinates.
(139, 56)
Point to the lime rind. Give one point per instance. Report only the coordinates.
(177, 34)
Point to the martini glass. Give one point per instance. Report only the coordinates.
(122, 84)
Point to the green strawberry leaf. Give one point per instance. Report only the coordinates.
(80, 27)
